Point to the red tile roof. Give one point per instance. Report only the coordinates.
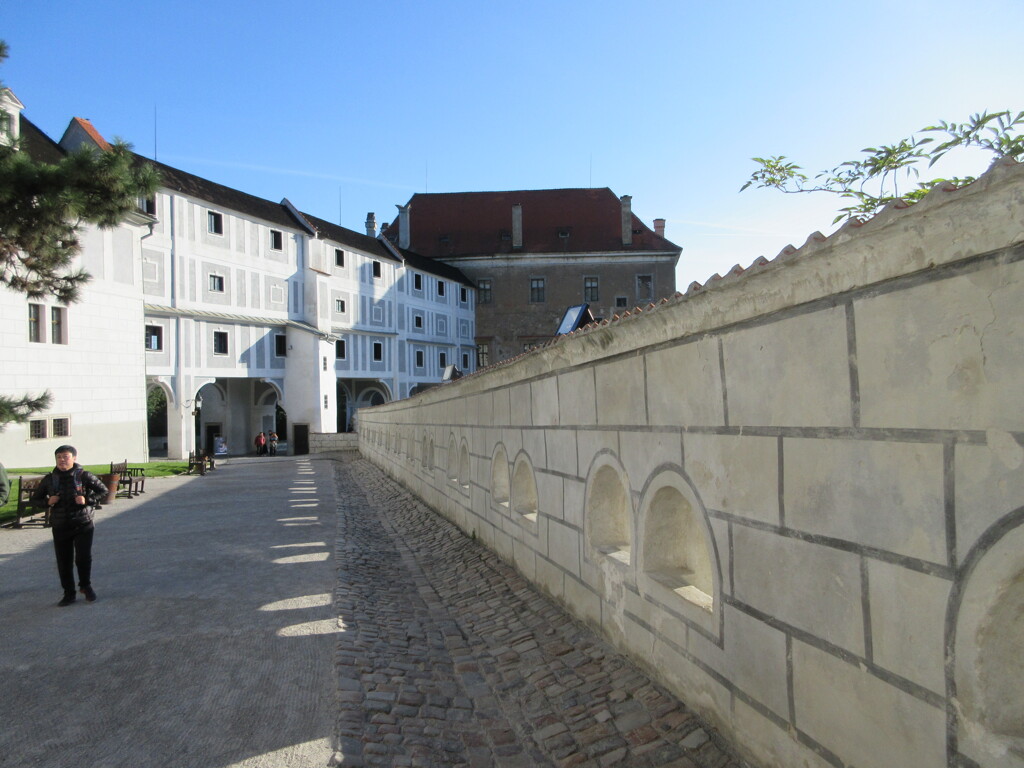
(449, 225)
(86, 126)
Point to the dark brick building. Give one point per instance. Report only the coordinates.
(532, 253)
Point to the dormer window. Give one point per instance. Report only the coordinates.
(10, 116)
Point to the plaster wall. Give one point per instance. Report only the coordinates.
(95, 379)
(793, 494)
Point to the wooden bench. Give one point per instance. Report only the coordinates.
(200, 461)
(132, 479)
(27, 510)
(137, 478)
(123, 482)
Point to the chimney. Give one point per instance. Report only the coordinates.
(659, 227)
(371, 224)
(517, 225)
(403, 225)
(627, 219)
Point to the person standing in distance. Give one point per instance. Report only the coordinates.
(72, 494)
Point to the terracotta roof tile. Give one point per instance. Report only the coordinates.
(87, 126)
(450, 225)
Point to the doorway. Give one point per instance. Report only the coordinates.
(209, 433)
(301, 440)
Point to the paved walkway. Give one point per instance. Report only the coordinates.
(306, 612)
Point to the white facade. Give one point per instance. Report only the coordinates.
(232, 305)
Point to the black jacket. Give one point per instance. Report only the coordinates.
(66, 512)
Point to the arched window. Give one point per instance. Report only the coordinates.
(524, 488)
(500, 477)
(987, 606)
(453, 460)
(677, 550)
(608, 510)
(464, 476)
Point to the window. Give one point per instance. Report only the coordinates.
(419, 358)
(154, 338)
(590, 291)
(378, 351)
(644, 287)
(465, 361)
(280, 345)
(57, 329)
(339, 306)
(37, 429)
(483, 355)
(5, 124)
(220, 342)
(215, 223)
(621, 302)
(483, 291)
(61, 427)
(216, 283)
(35, 322)
(463, 294)
(442, 359)
(440, 287)
(417, 282)
(376, 269)
(442, 327)
(417, 321)
(148, 205)
(536, 290)
(276, 240)
(339, 349)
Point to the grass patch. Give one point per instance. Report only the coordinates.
(153, 469)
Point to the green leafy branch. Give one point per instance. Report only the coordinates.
(874, 180)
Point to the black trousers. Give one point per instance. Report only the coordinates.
(73, 546)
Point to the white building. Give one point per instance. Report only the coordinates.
(232, 305)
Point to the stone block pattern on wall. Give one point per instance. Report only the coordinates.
(776, 491)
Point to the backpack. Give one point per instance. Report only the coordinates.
(55, 483)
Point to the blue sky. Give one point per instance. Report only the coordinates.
(349, 107)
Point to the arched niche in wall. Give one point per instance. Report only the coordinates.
(500, 477)
(453, 460)
(428, 454)
(524, 488)
(608, 509)
(985, 627)
(678, 563)
(425, 450)
(464, 470)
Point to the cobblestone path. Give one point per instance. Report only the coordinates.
(449, 658)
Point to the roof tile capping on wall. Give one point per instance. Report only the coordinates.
(793, 493)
